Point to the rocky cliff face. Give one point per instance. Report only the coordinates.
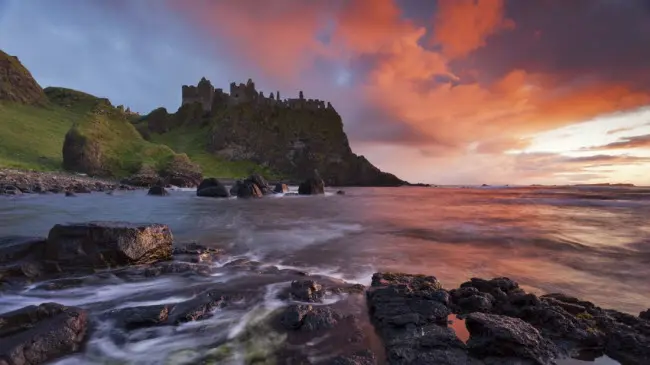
(17, 83)
(292, 136)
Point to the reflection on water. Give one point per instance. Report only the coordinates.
(591, 243)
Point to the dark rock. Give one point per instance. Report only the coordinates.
(235, 187)
(626, 345)
(139, 317)
(645, 315)
(319, 318)
(82, 153)
(261, 183)
(312, 186)
(15, 248)
(410, 317)
(212, 187)
(307, 291)
(340, 192)
(214, 192)
(81, 189)
(158, 191)
(293, 315)
(39, 334)
(70, 193)
(281, 188)
(108, 244)
(247, 189)
(360, 358)
(194, 252)
(504, 337)
(10, 190)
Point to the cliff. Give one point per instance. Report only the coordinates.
(17, 84)
(292, 137)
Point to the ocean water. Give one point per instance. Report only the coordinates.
(589, 242)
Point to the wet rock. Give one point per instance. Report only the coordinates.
(261, 183)
(10, 190)
(306, 291)
(360, 358)
(293, 316)
(504, 337)
(182, 172)
(213, 188)
(82, 189)
(70, 194)
(340, 192)
(174, 267)
(146, 177)
(235, 187)
(107, 244)
(158, 191)
(469, 300)
(15, 248)
(248, 189)
(312, 186)
(281, 188)
(194, 252)
(626, 345)
(205, 303)
(410, 317)
(139, 317)
(39, 334)
(645, 315)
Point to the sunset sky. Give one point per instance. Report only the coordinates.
(446, 91)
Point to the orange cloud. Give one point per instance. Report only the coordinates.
(462, 26)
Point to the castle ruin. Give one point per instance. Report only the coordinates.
(205, 94)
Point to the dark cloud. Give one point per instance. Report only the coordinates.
(642, 141)
(578, 41)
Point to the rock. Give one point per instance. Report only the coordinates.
(10, 190)
(17, 85)
(82, 153)
(15, 248)
(139, 317)
(312, 186)
(108, 244)
(261, 183)
(194, 252)
(504, 337)
(212, 187)
(360, 358)
(411, 319)
(158, 191)
(247, 189)
(70, 194)
(214, 192)
(39, 334)
(469, 300)
(293, 315)
(340, 192)
(306, 291)
(235, 187)
(281, 188)
(645, 315)
(81, 189)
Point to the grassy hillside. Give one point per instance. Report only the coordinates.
(32, 137)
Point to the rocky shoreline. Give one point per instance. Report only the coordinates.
(18, 182)
(400, 319)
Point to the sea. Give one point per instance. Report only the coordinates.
(592, 242)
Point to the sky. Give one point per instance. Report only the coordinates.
(436, 91)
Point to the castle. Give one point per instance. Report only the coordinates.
(208, 96)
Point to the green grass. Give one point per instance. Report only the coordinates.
(193, 142)
(32, 137)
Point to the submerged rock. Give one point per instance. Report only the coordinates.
(213, 188)
(108, 244)
(306, 290)
(261, 183)
(248, 189)
(158, 191)
(281, 188)
(39, 334)
(312, 186)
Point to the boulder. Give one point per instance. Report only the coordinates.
(82, 153)
(261, 183)
(312, 186)
(107, 244)
(39, 334)
(10, 190)
(248, 189)
(498, 336)
(306, 291)
(340, 192)
(212, 187)
(158, 190)
(281, 188)
(70, 194)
